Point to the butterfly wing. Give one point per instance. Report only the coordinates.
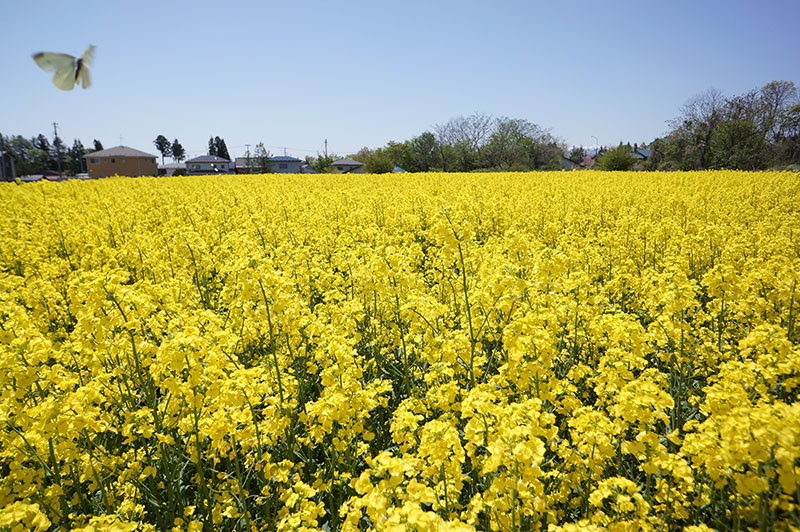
(63, 64)
(88, 55)
(82, 76)
(52, 61)
(64, 77)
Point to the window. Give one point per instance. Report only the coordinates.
(94, 160)
(283, 166)
(113, 160)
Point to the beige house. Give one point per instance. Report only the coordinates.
(121, 160)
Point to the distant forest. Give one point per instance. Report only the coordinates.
(757, 130)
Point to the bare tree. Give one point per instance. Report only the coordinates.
(777, 98)
(700, 117)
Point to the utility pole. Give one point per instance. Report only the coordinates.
(247, 153)
(326, 148)
(56, 143)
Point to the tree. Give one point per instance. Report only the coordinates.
(619, 158)
(378, 162)
(212, 146)
(221, 149)
(178, 153)
(323, 163)
(97, 145)
(577, 154)
(739, 145)
(163, 146)
(57, 155)
(424, 151)
(700, 117)
(777, 97)
(75, 157)
(261, 158)
(787, 145)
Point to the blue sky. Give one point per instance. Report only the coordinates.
(291, 74)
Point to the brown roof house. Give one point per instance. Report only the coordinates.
(121, 160)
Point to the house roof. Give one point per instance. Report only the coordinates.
(284, 159)
(208, 159)
(120, 151)
(347, 161)
(641, 153)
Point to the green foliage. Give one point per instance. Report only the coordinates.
(738, 146)
(260, 162)
(379, 162)
(75, 161)
(322, 164)
(221, 148)
(163, 146)
(619, 158)
(178, 153)
(748, 131)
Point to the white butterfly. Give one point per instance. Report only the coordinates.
(69, 70)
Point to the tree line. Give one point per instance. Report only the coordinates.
(38, 155)
(757, 130)
(172, 149)
(478, 142)
(753, 131)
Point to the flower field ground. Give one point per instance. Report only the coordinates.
(543, 351)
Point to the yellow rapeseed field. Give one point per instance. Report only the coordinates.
(535, 351)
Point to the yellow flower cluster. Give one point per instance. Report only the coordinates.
(504, 352)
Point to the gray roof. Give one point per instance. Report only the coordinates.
(284, 159)
(120, 151)
(208, 159)
(347, 161)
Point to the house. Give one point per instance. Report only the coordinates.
(641, 154)
(398, 170)
(349, 166)
(307, 169)
(208, 164)
(244, 165)
(283, 164)
(7, 170)
(569, 164)
(121, 160)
